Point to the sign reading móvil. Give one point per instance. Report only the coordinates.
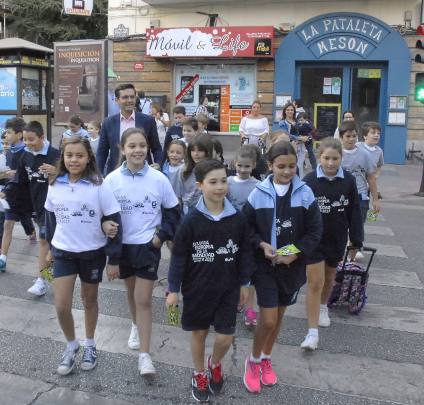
(78, 7)
(218, 42)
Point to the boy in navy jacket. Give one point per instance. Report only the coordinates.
(36, 165)
(210, 261)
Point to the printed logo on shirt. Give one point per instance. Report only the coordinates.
(145, 206)
(325, 204)
(64, 214)
(40, 176)
(230, 248)
(282, 224)
(203, 252)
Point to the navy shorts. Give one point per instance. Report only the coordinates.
(270, 292)
(88, 265)
(139, 260)
(24, 218)
(319, 255)
(200, 311)
(40, 220)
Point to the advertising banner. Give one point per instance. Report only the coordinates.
(79, 77)
(78, 7)
(217, 42)
(8, 89)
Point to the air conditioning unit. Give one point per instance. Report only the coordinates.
(154, 23)
(126, 3)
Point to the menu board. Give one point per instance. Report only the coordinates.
(326, 118)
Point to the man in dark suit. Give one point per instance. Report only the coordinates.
(115, 125)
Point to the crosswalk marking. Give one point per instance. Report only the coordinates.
(388, 250)
(368, 377)
(378, 230)
(395, 278)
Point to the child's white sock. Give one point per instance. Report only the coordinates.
(3, 257)
(265, 356)
(255, 359)
(313, 331)
(323, 306)
(73, 345)
(89, 342)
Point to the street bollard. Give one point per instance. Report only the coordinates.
(421, 192)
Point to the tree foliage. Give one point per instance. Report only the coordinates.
(43, 22)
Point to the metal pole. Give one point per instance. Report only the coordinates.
(4, 18)
(421, 192)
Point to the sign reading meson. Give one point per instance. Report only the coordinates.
(78, 7)
(218, 42)
(343, 33)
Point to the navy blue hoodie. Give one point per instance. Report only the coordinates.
(302, 226)
(210, 256)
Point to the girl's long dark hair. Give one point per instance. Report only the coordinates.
(91, 171)
(201, 142)
(281, 148)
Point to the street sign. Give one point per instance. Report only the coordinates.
(78, 7)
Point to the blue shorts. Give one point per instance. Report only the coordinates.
(88, 265)
(23, 217)
(270, 293)
(139, 260)
(319, 255)
(201, 310)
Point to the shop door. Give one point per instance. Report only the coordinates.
(327, 91)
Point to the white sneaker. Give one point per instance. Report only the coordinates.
(145, 365)
(359, 256)
(134, 340)
(39, 288)
(310, 342)
(324, 320)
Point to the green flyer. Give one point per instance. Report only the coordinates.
(288, 250)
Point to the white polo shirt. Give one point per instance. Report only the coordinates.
(142, 196)
(79, 208)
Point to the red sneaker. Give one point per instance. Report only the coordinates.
(199, 387)
(216, 380)
(268, 376)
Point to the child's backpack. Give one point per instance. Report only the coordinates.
(351, 283)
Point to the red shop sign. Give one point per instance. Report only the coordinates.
(217, 42)
(138, 66)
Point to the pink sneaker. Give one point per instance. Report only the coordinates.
(250, 317)
(252, 376)
(268, 376)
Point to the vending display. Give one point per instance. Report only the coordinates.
(230, 89)
(213, 93)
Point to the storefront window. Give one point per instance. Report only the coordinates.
(30, 89)
(366, 94)
(229, 89)
(321, 85)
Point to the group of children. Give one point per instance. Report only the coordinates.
(251, 229)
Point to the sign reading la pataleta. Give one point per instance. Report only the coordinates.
(359, 35)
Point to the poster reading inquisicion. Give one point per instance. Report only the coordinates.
(79, 78)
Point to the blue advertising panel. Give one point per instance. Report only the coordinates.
(8, 89)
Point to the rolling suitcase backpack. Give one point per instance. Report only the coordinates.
(351, 283)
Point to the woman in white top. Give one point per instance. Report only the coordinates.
(162, 122)
(347, 116)
(255, 125)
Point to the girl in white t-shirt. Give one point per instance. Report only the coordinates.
(150, 215)
(77, 202)
(93, 128)
(255, 126)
